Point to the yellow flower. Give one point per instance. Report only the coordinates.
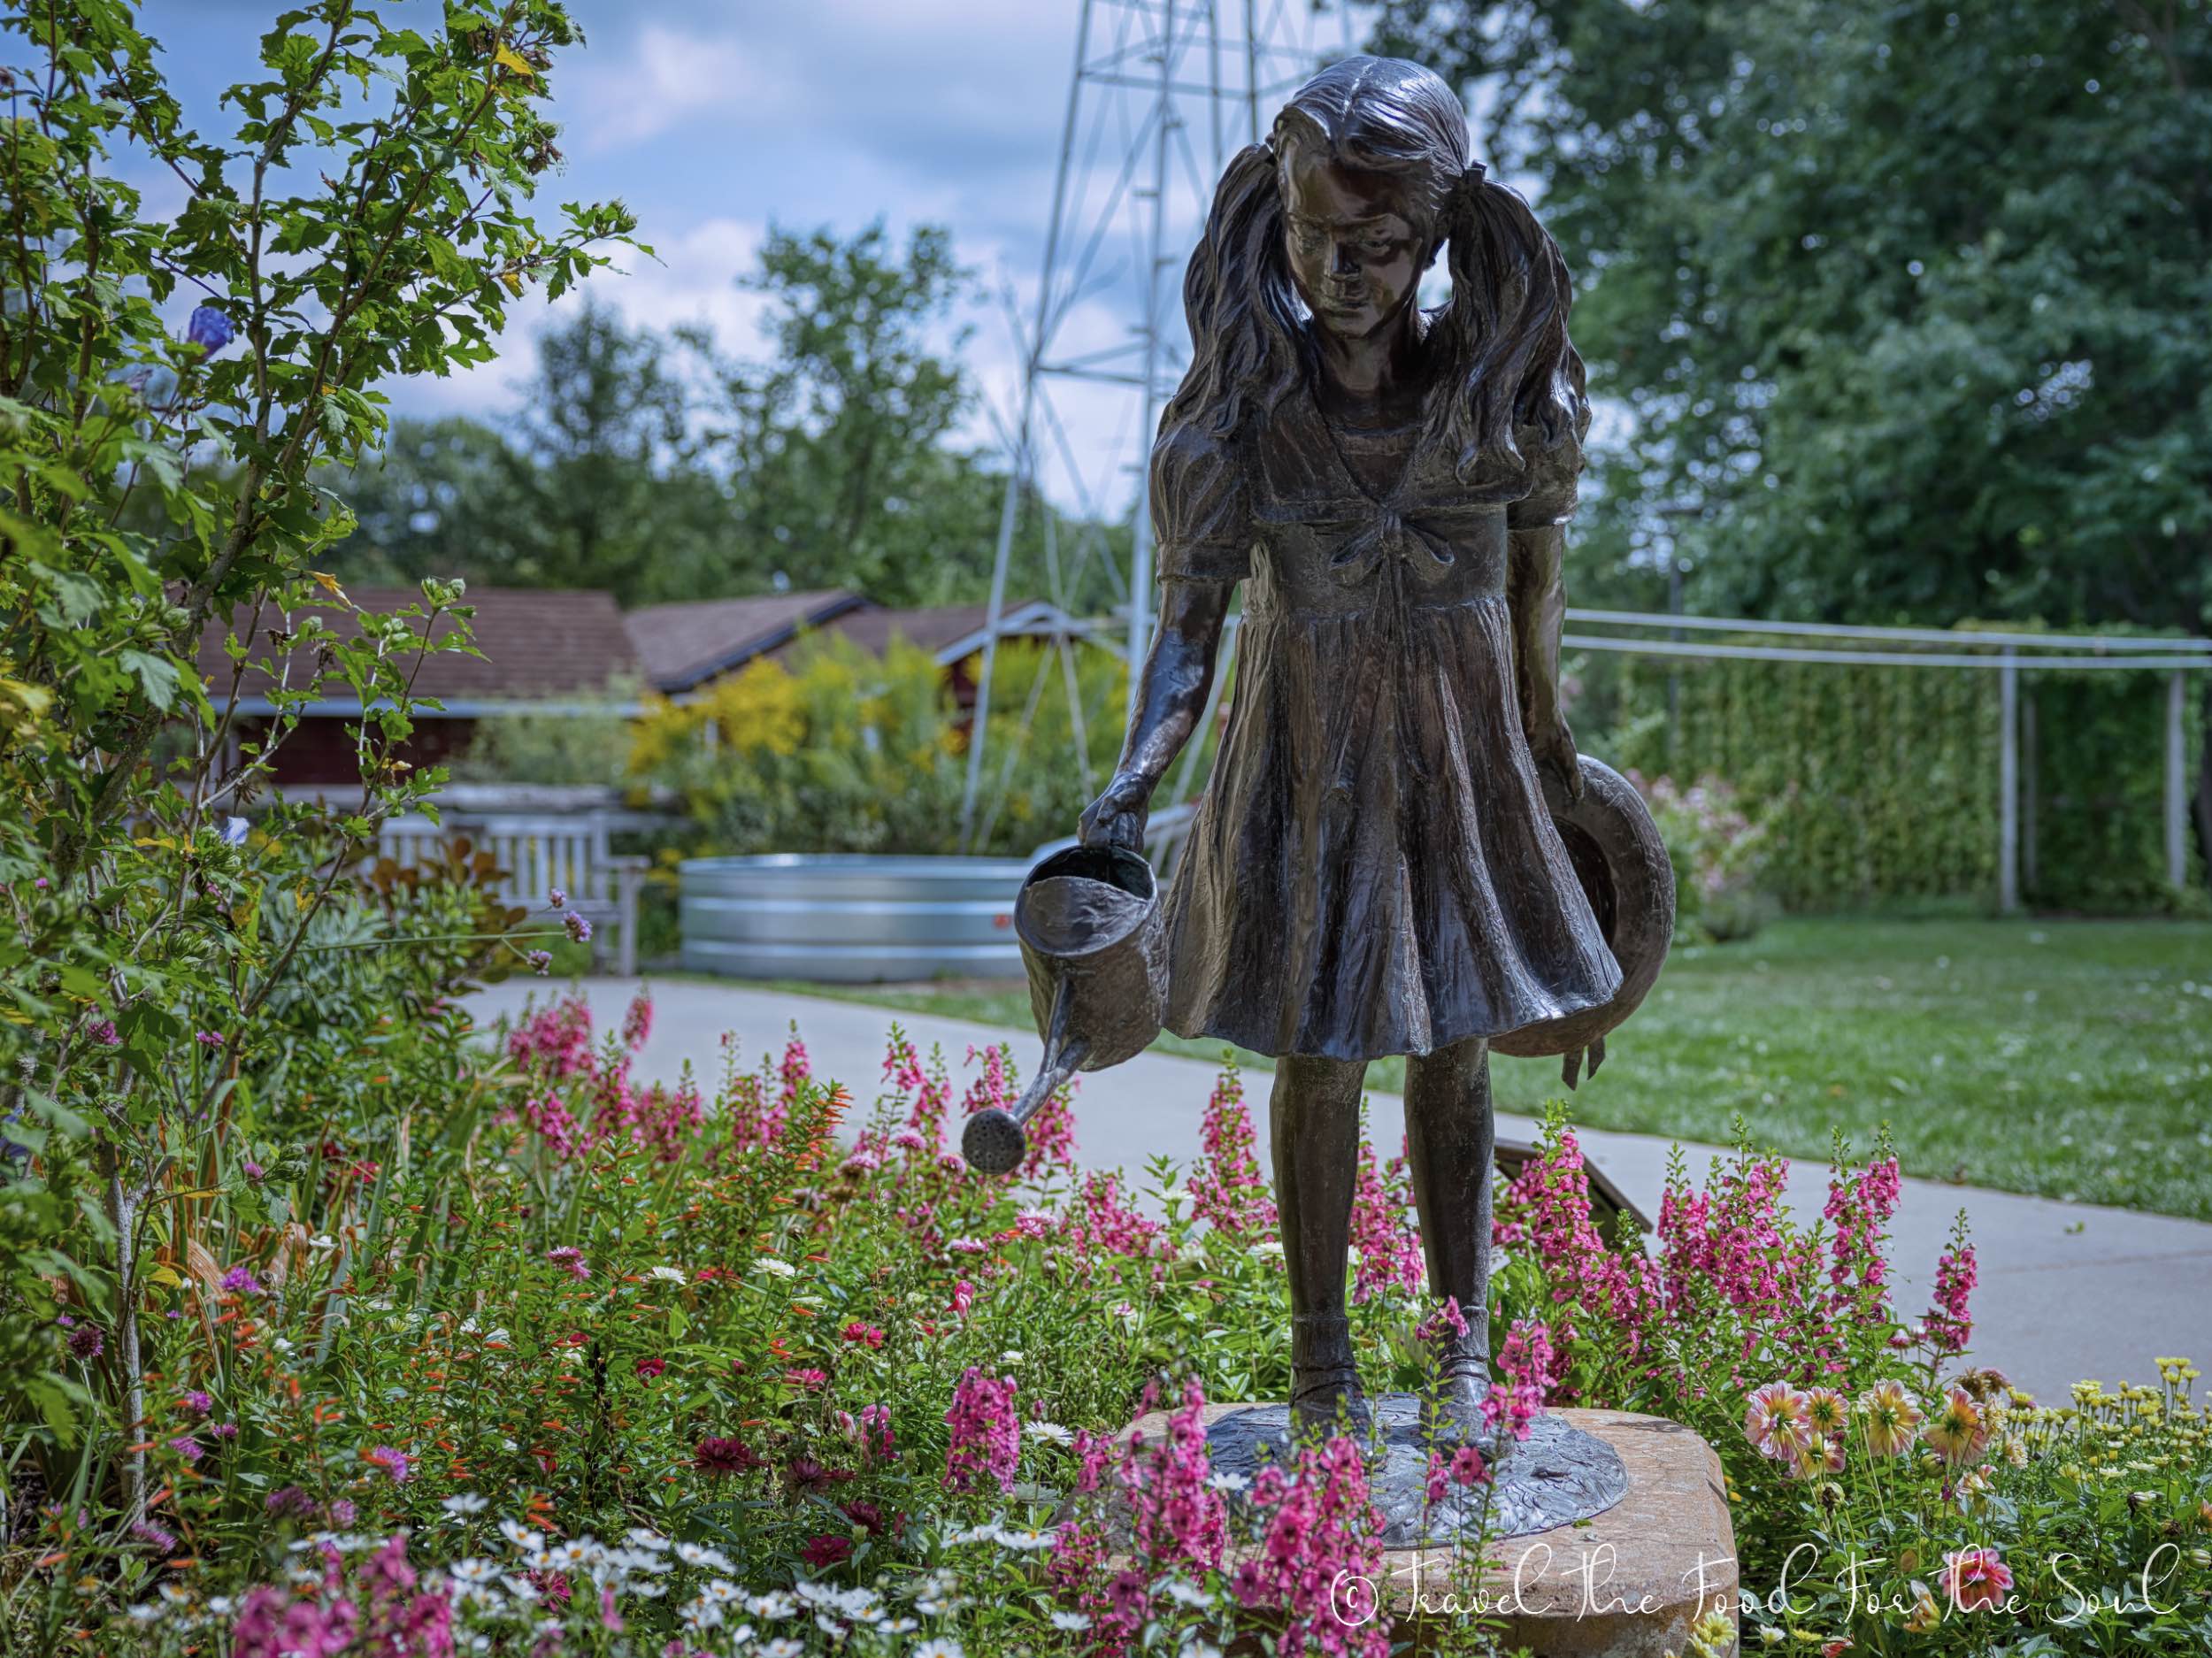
(1925, 1613)
(1888, 1418)
(1958, 1432)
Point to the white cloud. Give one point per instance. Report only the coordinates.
(667, 78)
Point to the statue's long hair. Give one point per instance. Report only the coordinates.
(1503, 357)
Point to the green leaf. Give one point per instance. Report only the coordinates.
(157, 677)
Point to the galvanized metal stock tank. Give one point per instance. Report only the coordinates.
(850, 918)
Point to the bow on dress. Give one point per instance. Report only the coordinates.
(1385, 533)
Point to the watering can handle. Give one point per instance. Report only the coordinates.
(993, 1141)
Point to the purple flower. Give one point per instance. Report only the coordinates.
(209, 1039)
(578, 927)
(541, 962)
(289, 1500)
(557, 899)
(223, 1431)
(103, 1034)
(87, 1341)
(393, 1462)
(198, 1403)
(254, 1171)
(240, 1281)
(188, 1447)
(210, 329)
(147, 1532)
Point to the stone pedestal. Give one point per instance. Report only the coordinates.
(1627, 1581)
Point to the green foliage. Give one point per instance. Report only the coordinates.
(1872, 784)
(1879, 785)
(1905, 304)
(847, 752)
(662, 468)
(158, 487)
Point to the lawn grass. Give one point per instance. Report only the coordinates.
(2072, 1059)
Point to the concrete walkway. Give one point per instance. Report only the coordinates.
(2067, 1291)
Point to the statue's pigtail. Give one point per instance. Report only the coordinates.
(1505, 332)
(1237, 299)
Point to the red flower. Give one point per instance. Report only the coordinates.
(647, 1369)
(726, 1456)
(868, 1334)
(806, 1475)
(869, 1518)
(827, 1550)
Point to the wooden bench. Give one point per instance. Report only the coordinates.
(538, 852)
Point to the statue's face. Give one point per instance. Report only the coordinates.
(1355, 241)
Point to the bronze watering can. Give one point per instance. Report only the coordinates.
(1087, 919)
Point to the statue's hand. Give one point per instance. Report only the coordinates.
(1117, 817)
(1553, 747)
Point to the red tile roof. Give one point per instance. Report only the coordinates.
(538, 643)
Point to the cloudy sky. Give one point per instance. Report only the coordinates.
(712, 117)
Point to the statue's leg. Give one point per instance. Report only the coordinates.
(1450, 1144)
(1315, 1109)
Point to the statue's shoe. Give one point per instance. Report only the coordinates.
(1331, 1403)
(1451, 1410)
(1325, 1390)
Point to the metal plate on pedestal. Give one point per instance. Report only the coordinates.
(1556, 1476)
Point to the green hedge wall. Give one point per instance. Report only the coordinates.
(1881, 783)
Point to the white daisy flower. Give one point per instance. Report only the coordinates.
(222, 1605)
(722, 1591)
(668, 1275)
(530, 1541)
(929, 1606)
(474, 1571)
(147, 1611)
(1189, 1594)
(782, 1646)
(638, 1537)
(1229, 1482)
(1024, 1537)
(701, 1613)
(647, 1591)
(1071, 1620)
(1048, 1431)
(1201, 1649)
(774, 1268)
(520, 1587)
(1012, 1355)
(1268, 1247)
(465, 1502)
(777, 1603)
(898, 1625)
(939, 1646)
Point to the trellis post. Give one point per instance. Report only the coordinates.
(2009, 786)
(2177, 787)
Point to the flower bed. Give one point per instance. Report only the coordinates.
(565, 1362)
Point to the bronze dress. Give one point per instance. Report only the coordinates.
(1373, 870)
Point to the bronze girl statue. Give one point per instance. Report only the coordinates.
(1373, 868)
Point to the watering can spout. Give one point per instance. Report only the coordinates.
(993, 1141)
(1088, 923)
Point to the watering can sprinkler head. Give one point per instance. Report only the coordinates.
(1088, 923)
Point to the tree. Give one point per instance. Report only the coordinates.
(837, 449)
(1906, 302)
(331, 244)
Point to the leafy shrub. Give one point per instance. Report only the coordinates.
(1719, 854)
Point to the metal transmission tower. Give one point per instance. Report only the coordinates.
(1164, 92)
